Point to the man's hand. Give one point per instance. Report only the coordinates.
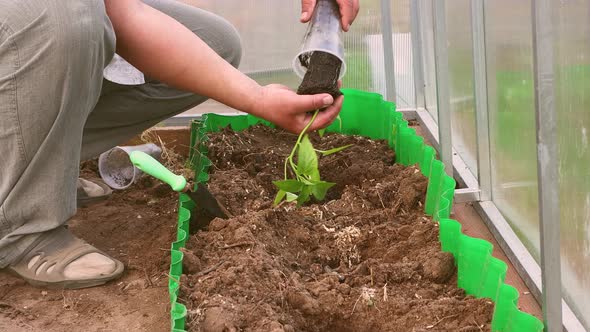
(348, 11)
(165, 50)
(290, 111)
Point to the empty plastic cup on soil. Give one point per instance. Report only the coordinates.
(115, 168)
(324, 33)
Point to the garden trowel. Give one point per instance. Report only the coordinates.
(202, 196)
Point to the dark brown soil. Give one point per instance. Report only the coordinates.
(322, 74)
(135, 226)
(366, 259)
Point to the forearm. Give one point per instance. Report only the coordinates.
(164, 49)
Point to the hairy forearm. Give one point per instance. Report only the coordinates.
(164, 49)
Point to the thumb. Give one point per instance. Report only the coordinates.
(306, 103)
(307, 7)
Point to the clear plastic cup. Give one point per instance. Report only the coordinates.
(117, 170)
(324, 33)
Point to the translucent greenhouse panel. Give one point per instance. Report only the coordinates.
(512, 116)
(461, 81)
(271, 36)
(402, 47)
(427, 29)
(363, 46)
(573, 106)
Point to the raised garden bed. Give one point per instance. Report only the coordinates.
(367, 258)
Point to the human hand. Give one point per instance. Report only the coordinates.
(348, 11)
(290, 111)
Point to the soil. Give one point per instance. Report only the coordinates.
(322, 74)
(365, 259)
(135, 226)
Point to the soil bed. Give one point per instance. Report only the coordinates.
(365, 259)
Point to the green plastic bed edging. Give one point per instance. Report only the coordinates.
(367, 114)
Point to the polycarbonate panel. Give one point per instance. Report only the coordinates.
(512, 116)
(271, 36)
(363, 48)
(572, 59)
(458, 19)
(428, 67)
(402, 47)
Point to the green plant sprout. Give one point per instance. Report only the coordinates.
(307, 182)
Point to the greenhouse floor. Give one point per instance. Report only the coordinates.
(474, 226)
(139, 301)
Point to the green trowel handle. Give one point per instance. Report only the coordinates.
(151, 166)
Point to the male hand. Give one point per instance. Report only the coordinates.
(292, 112)
(348, 11)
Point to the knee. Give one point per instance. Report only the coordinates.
(223, 38)
(232, 45)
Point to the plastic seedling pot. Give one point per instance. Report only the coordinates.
(324, 33)
(115, 168)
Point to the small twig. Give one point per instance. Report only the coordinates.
(355, 303)
(171, 277)
(385, 292)
(209, 270)
(440, 320)
(476, 324)
(148, 278)
(240, 244)
(380, 199)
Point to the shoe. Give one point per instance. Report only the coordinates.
(58, 259)
(91, 192)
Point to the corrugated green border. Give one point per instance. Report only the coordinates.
(367, 114)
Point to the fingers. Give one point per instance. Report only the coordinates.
(307, 103)
(348, 10)
(328, 115)
(307, 7)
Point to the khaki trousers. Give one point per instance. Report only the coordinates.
(56, 108)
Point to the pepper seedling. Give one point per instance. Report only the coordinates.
(307, 182)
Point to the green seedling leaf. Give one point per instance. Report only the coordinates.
(320, 189)
(315, 175)
(291, 197)
(307, 159)
(334, 150)
(280, 195)
(292, 186)
(307, 181)
(321, 132)
(304, 195)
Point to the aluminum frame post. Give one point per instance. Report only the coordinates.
(417, 64)
(442, 85)
(481, 100)
(388, 55)
(547, 162)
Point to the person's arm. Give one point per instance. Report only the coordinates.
(164, 49)
(348, 11)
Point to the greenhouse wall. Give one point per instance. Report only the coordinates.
(511, 113)
(572, 65)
